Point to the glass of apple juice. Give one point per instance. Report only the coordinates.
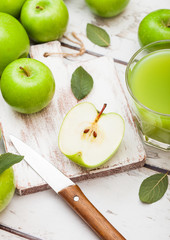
(148, 84)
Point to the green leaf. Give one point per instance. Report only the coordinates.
(153, 188)
(81, 83)
(7, 160)
(97, 35)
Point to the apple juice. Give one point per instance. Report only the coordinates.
(149, 82)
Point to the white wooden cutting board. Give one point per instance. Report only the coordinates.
(40, 130)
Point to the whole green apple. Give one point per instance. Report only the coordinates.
(88, 137)
(44, 20)
(12, 7)
(14, 41)
(107, 8)
(154, 27)
(27, 85)
(7, 187)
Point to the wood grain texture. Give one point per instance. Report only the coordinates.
(17, 233)
(116, 196)
(40, 130)
(85, 209)
(123, 31)
(46, 216)
(122, 28)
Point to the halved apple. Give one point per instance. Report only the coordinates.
(88, 137)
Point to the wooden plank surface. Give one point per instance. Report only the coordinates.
(40, 131)
(156, 159)
(8, 236)
(44, 215)
(124, 42)
(122, 28)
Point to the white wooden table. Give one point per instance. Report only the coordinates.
(44, 215)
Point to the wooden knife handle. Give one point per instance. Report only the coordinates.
(84, 208)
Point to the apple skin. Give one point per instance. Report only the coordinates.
(27, 94)
(77, 157)
(7, 188)
(47, 24)
(154, 27)
(12, 7)
(14, 41)
(107, 8)
(79, 161)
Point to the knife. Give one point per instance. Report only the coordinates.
(69, 191)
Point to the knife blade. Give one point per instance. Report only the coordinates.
(69, 191)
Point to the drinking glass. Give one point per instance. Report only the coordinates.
(154, 127)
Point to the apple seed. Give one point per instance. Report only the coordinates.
(94, 123)
(94, 134)
(86, 130)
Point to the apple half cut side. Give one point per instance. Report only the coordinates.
(88, 137)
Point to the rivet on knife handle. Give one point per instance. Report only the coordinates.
(85, 209)
(70, 192)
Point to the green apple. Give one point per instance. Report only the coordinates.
(14, 41)
(27, 85)
(154, 27)
(107, 8)
(90, 138)
(44, 20)
(12, 7)
(7, 187)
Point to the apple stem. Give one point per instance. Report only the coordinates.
(95, 121)
(39, 7)
(168, 23)
(25, 71)
(100, 113)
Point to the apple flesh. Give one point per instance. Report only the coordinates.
(154, 27)
(90, 138)
(7, 188)
(27, 85)
(107, 8)
(12, 7)
(14, 41)
(44, 20)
